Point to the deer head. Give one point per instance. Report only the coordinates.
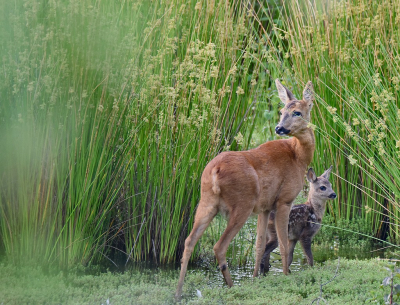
(295, 115)
(320, 187)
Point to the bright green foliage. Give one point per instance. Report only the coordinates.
(109, 112)
(350, 51)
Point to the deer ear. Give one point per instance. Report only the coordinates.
(284, 94)
(311, 176)
(308, 93)
(327, 172)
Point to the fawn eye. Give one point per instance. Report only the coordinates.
(280, 112)
(296, 113)
(322, 188)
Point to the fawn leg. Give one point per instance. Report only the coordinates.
(262, 223)
(281, 226)
(306, 245)
(271, 246)
(292, 245)
(204, 215)
(235, 223)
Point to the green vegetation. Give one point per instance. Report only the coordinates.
(357, 282)
(349, 50)
(346, 232)
(111, 110)
(109, 113)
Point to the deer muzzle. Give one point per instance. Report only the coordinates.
(281, 130)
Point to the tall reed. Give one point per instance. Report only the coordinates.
(194, 92)
(109, 113)
(349, 50)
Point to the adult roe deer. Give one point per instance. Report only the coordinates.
(304, 219)
(267, 178)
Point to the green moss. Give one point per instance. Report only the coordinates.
(353, 285)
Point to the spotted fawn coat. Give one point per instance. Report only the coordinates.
(304, 219)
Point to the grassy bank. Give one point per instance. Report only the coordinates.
(356, 283)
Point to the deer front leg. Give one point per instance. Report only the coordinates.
(281, 225)
(306, 245)
(262, 223)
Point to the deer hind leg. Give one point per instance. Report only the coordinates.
(204, 215)
(306, 245)
(262, 223)
(235, 223)
(271, 246)
(281, 225)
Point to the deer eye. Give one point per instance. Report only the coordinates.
(296, 113)
(280, 112)
(322, 188)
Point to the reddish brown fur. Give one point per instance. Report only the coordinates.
(267, 178)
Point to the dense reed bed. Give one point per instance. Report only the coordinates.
(111, 110)
(109, 113)
(350, 50)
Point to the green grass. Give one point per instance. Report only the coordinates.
(356, 282)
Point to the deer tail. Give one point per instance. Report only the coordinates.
(214, 178)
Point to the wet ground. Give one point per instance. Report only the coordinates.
(238, 273)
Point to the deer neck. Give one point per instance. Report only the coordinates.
(318, 206)
(304, 145)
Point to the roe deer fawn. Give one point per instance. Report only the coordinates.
(267, 178)
(304, 219)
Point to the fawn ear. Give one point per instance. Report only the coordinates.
(308, 93)
(327, 173)
(284, 93)
(311, 176)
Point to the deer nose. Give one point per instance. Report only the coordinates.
(281, 130)
(333, 196)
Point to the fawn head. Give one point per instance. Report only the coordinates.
(320, 187)
(296, 113)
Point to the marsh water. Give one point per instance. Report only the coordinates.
(321, 254)
(243, 244)
(207, 264)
